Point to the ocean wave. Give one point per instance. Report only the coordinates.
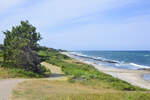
(146, 55)
(139, 66)
(114, 63)
(93, 58)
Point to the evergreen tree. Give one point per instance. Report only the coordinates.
(19, 47)
(1, 47)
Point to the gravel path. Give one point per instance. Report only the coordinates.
(56, 72)
(6, 85)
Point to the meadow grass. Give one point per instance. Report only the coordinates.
(63, 90)
(17, 73)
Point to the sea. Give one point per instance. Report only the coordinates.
(132, 60)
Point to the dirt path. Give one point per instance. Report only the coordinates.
(56, 72)
(6, 85)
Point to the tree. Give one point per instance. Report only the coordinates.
(19, 47)
(1, 47)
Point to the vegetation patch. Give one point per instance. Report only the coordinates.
(1, 58)
(17, 73)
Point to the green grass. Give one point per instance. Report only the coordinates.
(17, 73)
(51, 54)
(85, 73)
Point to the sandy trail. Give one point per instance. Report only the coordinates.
(6, 85)
(56, 72)
(134, 77)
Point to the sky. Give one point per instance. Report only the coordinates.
(82, 24)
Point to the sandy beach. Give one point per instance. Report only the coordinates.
(134, 77)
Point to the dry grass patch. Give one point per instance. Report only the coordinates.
(53, 68)
(37, 89)
(63, 90)
(4, 73)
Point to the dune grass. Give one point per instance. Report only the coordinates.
(63, 90)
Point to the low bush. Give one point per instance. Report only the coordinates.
(1, 58)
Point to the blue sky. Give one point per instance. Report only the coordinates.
(83, 24)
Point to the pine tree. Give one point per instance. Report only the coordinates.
(19, 47)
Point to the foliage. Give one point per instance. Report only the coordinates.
(1, 58)
(17, 73)
(1, 47)
(19, 47)
(49, 53)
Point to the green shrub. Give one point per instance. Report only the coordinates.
(1, 58)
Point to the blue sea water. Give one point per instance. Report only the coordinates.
(119, 59)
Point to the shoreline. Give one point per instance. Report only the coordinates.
(134, 77)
